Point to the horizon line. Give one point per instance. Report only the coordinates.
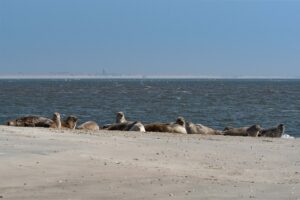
(72, 76)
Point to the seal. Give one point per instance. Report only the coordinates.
(56, 121)
(252, 131)
(31, 121)
(89, 125)
(120, 118)
(177, 127)
(138, 126)
(192, 128)
(127, 126)
(277, 131)
(70, 122)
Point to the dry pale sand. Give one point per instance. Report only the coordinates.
(40, 163)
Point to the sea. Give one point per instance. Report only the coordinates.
(216, 103)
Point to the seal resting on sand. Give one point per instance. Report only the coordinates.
(192, 128)
(244, 131)
(31, 121)
(177, 127)
(70, 122)
(272, 132)
(123, 125)
(89, 125)
(127, 126)
(120, 118)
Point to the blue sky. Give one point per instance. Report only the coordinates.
(151, 37)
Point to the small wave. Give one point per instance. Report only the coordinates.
(287, 136)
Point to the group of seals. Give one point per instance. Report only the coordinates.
(31, 121)
(37, 121)
(180, 126)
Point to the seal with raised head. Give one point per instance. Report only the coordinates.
(70, 122)
(89, 125)
(56, 121)
(120, 118)
(244, 131)
(277, 131)
(31, 121)
(192, 128)
(177, 127)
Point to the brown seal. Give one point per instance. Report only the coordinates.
(89, 125)
(30, 121)
(177, 127)
(192, 128)
(273, 132)
(244, 131)
(70, 122)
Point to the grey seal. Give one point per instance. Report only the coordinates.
(277, 131)
(252, 131)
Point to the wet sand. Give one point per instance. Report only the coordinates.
(39, 163)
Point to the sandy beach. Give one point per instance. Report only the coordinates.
(39, 163)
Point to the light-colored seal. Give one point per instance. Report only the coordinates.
(89, 125)
(273, 132)
(120, 118)
(177, 127)
(192, 128)
(252, 131)
(30, 121)
(56, 121)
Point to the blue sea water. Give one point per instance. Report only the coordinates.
(215, 103)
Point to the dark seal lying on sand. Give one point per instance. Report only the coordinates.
(273, 132)
(31, 121)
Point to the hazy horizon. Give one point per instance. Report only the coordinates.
(151, 38)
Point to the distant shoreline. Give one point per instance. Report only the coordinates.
(5, 77)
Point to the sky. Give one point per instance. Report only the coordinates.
(151, 37)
